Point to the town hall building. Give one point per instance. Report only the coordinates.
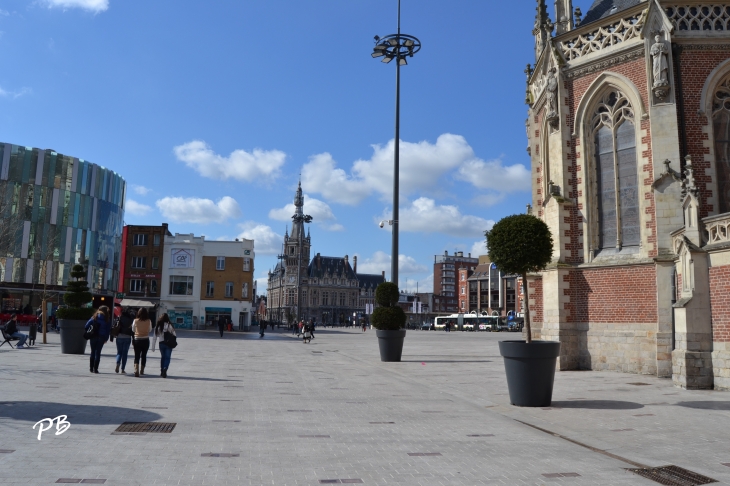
(330, 290)
(629, 137)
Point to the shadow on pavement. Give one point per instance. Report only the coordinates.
(77, 414)
(706, 405)
(598, 404)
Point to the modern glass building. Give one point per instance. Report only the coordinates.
(56, 211)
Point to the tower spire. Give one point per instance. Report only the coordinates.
(298, 225)
(543, 28)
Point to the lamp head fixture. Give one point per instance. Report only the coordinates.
(389, 221)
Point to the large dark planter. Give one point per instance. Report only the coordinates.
(391, 344)
(72, 336)
(530, 370)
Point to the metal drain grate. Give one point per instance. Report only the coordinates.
(7, 451)
(381, 423)
(424, 454)
(480, 435)
(638, 383)
(219, 454)
(157, 427)
(672, 476)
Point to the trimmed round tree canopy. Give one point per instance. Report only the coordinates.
(386, 295)
(520, 244)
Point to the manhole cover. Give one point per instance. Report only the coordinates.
(158, 427)
(672, 476)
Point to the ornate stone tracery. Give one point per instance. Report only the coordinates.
(721, 132)
(602, 37)
(699, 17)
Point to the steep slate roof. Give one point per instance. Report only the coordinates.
(370, 280)
(604, 8)
(335, 266)
(481, 271)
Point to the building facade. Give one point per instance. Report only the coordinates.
(329, 289)
(487, 290)
(56, 211)
(141, 262)
(206, 280)
(628, 139)
(445, 272)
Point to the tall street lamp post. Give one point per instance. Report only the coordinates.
(399, 47)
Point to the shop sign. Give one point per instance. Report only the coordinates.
(182, 258)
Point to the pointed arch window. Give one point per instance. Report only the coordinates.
(721, 129)
(616, 193)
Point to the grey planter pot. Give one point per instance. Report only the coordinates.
(530, 370)
(391, 344)
(72, 336)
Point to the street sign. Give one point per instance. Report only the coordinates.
(120, 295)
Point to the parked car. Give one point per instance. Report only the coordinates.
(426, 326)
(516, 324)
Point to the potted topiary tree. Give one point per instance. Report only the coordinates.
(389, 320)
(522, 244)
(73, 318)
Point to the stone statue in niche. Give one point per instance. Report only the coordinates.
(551, 93)
(660, 67)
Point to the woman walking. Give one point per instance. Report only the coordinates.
(141, 328)
(103, 327)
(163, 325)
(124, 339)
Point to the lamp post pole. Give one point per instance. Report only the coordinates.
(396, 46)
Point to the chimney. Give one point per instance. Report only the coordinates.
(446, 252)
(459, 253)
(319, 262)
(354, 263)
(347, 260)
(383, 274)
(469, 255)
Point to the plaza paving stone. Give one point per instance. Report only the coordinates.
(290, 413)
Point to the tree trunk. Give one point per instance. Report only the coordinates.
(528, 338)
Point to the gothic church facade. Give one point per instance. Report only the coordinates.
(629, 137)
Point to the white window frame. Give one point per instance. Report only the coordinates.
(136, 285)
(139, 262)
(210, 288)
(246, 264)
(140, 239)
(229, 289)
(220, 263)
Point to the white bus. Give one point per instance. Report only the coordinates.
(465, 322)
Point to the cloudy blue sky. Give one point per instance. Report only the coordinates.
(211, 110)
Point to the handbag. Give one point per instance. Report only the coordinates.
(170, 340)
(116, 328)
(92, 330)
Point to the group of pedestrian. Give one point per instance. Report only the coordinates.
(130, 329)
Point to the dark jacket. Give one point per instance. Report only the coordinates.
(11, 327)
(125, 326)
(104, 327)
(222, 322)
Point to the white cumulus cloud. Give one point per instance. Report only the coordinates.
(137, 209)
(491, 174)
(380, 261)
(239, 165)
(265, 240)
(424, 216)
(422, 165)
(479, 247)
(319, 210)
(198, 210)
(92, 5)
(141, 190)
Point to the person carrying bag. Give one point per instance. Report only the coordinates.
(168, 341)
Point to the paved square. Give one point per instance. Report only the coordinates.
(276, 411)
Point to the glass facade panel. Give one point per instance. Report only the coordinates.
(48, 207)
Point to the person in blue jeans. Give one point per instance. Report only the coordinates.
(103, 327)
(124, 339)
(163, 325)
(12, 329)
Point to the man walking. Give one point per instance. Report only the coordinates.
(221, 324)
(12, 329)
